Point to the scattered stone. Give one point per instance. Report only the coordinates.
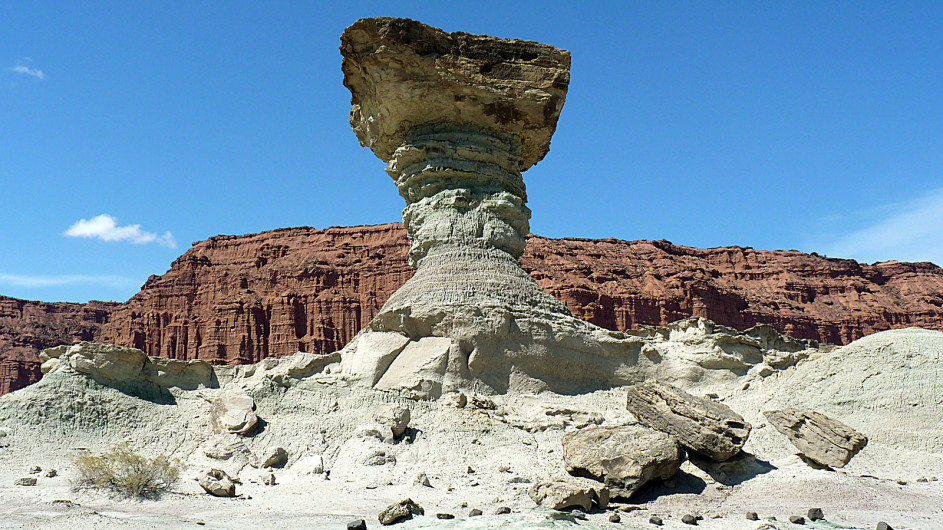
(359, 524)
(818, 437)
(422, 480)
(704, 426)
(752, 516)
(624, 458)
(655, 520)
(502, 510)
(444, 516)
(396, 417)
(469, 470)
(883, 526)
(504, 469)
(689, 519)
(569, 492)
(922, 479)
(475, 512)
(25, 481)
(233, 412)
(816, 514)
(217, 483)
(65, 503)
(454, 399)
(614, 518)
(519, 480)
(902, 482)
(309, 465)
(35, 469)
(52, 473)
(271, 457)
(796, 519)
(268, 479)
(403, 509)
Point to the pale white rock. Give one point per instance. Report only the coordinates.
(233, 412)
(368, 356)
(393, 417)
(271, 457)
(217, 483)
(104, 362)
(309, 465)
(417, 371)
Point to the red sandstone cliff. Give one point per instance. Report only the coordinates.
(238, 299)
(26, 327)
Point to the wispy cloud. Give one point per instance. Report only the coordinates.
(105, 227)
(26, 70)
(55, 280)
(911, 231)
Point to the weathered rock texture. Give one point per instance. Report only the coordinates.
(704, 426)
(26, 327)
(623, 457)
(818, 437)
(238, 299)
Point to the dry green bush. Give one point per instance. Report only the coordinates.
(127, 473)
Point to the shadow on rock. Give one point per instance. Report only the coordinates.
(682, 483)
(737, 470)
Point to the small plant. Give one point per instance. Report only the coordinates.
(126, 473)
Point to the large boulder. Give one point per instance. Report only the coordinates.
(217, 483)
(561, 493)
(818, 437)
(393, 417)
(704, 426)
(624, 458)
(234, 413)
(104, 362)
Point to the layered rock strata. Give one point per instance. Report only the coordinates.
(457, 118)
(239, 299)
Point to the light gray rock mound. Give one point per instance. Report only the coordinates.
(271, 457)
(217, 483)
(561, 493)
(704, 426)
(818, 437)
(622, 457)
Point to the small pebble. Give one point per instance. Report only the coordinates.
(655, 520)
(922, 479)
(815, 514)
(502, 510)
(902, 482)
(359, 524)
(796, 519)
(35, 469)
(883, 526)
(444, 516)
(463, 505)
(504, 469)
(614, 518)
(475, 512)
(689, 519)
(25, 481)
(752, 516)
(52, 473)
(200, 523)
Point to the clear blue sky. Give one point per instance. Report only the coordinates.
(815, 126)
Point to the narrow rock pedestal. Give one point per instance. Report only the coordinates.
(457, 118)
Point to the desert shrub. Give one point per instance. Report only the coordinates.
(126, 473)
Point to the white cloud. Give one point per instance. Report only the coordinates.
(912, 231)
(105, 227)
(26, 70)
(19, 280)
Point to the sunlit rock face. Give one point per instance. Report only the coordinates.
(457, 118)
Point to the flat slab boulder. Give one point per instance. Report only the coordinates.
(624, 458)
(818, 437)
(706, 427)
(562, 493)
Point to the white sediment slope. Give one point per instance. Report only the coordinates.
(342, 465)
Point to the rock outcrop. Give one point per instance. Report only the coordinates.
(818, 437)
(703, 426)
(238, 299)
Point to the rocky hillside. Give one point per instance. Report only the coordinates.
(238, 299)
(27, 327)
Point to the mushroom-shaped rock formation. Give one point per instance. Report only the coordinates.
(457, 117)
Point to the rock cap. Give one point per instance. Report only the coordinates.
(402, 73)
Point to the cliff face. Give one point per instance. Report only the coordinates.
(238, 299)
(26, 327)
